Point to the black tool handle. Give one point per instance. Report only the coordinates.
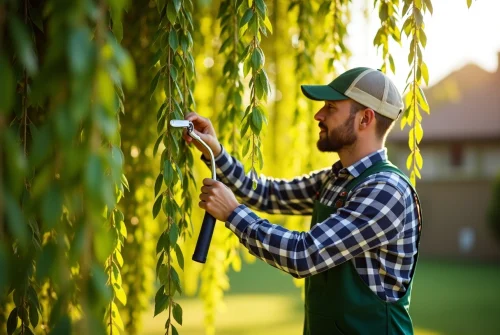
(203, 243)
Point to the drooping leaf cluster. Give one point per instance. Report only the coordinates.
(94, 183)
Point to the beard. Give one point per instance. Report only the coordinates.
(339, 137)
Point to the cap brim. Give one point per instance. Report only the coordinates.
(322, 93)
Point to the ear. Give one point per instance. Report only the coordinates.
(367, 118)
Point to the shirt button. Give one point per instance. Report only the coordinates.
(343, 193)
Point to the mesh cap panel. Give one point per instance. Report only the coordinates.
(375, 90)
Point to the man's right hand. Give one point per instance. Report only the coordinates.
(203, 128)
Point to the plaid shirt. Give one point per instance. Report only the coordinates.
(377, 229)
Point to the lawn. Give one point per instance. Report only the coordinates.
(448, 298)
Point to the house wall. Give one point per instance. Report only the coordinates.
(455, 198)
(455, 223)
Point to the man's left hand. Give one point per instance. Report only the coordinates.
(217, 199)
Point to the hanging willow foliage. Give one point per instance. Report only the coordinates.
(415, 98)
(82, 203)
(387, 12)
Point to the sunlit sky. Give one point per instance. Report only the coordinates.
(456, 35)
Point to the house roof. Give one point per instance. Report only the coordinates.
(465, 105)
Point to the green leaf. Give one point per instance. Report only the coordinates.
(173, 234)
(411, 139)
(12, 321)
(171, 12)
(125, 182)
(268, 25)
(407, 26)
(177, 312)
(247, 66)
(168, 173)
(469, 3)
(425, 72)
(154, 83)
(246, 147)
(419, 132)
(257, 59)
(157, 144)
(23, 44)
(119, 258)
(428, 4)
(175, 278)
(173, 40)
(422, 37)
(7, 86)
(80, 50)
(409, 161)
(161, 300)
(259, 89)
(419, 19)
(383, 12)
(116, 17)
(120, 294)
(422, 101)
(261, 6)
(246, 17)
(33, 297)
(177, 4)
(417, 173)
(245, 128)
(52, 205)
(174, 330)
(256, 121)
(419, 159)
(16, 220)
(160, 4)
(123, 229)
(158, 183)
(33, 315)
(163, 274)
(157, 206)
(392, 65)
(180, 256)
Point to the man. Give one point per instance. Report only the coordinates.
(360, 253)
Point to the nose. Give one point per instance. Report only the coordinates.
(319, 116)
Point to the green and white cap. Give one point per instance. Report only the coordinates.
(369, 87)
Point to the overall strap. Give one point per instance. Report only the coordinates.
(380, 166)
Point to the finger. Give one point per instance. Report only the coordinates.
(209, 182)
(204, 197)
(191, 116)
(206, 189)
(202, 204)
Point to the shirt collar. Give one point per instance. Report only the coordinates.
(358, 167)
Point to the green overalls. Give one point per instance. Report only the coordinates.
(337, 301)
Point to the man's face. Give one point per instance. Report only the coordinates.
(336, 125)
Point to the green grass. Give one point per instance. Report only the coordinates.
(448, 298)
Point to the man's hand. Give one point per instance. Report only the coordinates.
(217, 199)
(203, 128)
